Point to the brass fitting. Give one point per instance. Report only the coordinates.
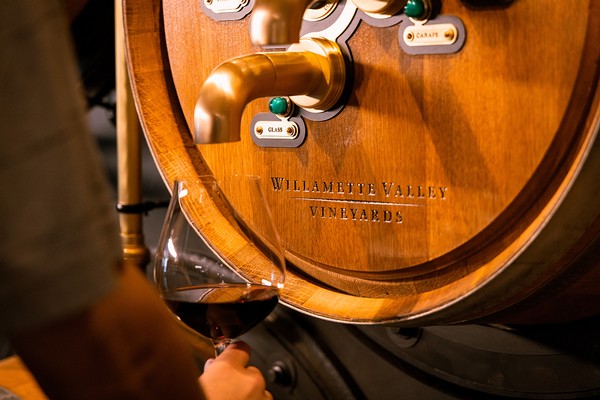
(382, 7)
(311, 72)
(277, 22)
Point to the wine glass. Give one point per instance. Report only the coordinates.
(219, 264)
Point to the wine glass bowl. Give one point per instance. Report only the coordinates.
(219, 264)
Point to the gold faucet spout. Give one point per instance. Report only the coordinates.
(277, 22)
(381, 7)
(312, 70)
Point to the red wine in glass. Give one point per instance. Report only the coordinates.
(222, 281)
(222, 312)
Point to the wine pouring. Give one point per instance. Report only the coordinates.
(209, 293)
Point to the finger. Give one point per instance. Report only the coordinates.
(251, 370)
(208, 363)
(268, 395)
(237, 353)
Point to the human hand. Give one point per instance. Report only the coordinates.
(227, 377)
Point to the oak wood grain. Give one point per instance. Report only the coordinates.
(476, 151)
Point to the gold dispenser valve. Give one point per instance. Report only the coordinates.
(311, 72)
(380, 7)
(277, 22)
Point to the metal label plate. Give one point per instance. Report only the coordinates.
(443, 35)
(226, 10)
(269, 130)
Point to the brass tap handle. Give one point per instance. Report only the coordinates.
(277, 22)
(381, 7)
(313, 72)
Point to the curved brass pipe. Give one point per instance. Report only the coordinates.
(382, 7)
(277, 22)
(312, 71)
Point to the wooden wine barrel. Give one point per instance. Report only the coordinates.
(450, 186)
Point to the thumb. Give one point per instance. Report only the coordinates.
(208, 363)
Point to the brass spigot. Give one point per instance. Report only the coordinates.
(311, 72)
(277, 22)
(381, 7)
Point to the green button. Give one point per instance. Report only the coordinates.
(414, 9)
(278, 105)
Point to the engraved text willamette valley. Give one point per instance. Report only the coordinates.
(358, 201)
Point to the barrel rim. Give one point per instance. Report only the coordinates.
(154, 97)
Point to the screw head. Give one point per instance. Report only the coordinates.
(280, 374)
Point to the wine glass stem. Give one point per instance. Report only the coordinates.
(220, 345)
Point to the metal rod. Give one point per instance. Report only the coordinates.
(128, 153)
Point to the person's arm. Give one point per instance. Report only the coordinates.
(126, 346)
